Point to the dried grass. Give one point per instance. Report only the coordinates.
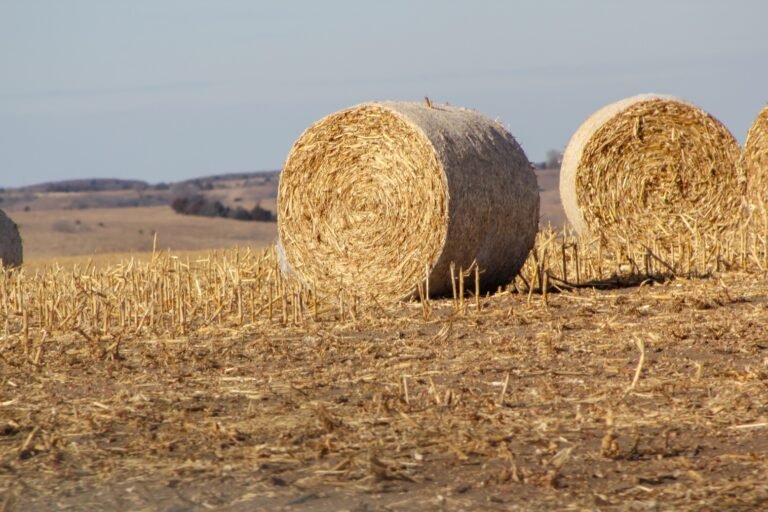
(652, 169)
(381, 198)
(10, 242)
(756, 161)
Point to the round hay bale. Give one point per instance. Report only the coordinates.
(756, 159)
(652, 168)
(10, 242)
(376, 197)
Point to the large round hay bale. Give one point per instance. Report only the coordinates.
(652, 168)
(10, 242)
(376, 197)
(756, 160)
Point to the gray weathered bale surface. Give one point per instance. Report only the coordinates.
(10, 242)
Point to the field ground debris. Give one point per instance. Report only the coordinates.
(210, 383)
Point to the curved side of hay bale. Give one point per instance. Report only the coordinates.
(756, 160)
(651, 166)
(377, 196)
(10, 242)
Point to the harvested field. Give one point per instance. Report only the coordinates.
(200, 383)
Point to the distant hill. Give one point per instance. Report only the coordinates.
(85, 185)
(111, 184)
(243, 189)
(236, 176)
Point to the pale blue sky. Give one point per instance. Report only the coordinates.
(162, 90)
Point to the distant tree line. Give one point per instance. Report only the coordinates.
(89, 185)
(203, 206)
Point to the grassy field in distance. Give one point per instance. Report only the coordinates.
(105, 221)
(52, 234)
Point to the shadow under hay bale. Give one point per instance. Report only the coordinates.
(377, 197)
(756, 161)
(654, 169)
(10, 242)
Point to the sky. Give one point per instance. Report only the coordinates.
(164, 90)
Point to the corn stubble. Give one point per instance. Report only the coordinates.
(174, 297)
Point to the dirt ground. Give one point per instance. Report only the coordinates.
(652, 397)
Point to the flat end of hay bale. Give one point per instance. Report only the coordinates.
(651, 167)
